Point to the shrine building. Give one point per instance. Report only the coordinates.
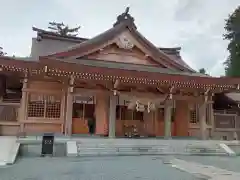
(118, 82)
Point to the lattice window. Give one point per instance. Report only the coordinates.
(36, 105)
(194, 114)
(53, 106)
(45, 106)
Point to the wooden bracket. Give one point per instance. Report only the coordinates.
(116, 84)
(170, 92)
(206, 95)
(238, 87)
(72, 79)
(71, 83)
(160, 90)
(45, 69)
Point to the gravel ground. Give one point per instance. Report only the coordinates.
(224, 162)
(100, 168)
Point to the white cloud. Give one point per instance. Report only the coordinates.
(196, 25)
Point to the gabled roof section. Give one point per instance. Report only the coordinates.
(125, 22)
(174, 53)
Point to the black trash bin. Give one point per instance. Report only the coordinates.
(47, 144)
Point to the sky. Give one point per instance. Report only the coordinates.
(194, 25)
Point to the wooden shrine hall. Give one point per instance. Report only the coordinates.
(117, 84)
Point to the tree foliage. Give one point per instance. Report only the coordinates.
(62, 29)
(202, 70)
(1, 52)
(232, 27)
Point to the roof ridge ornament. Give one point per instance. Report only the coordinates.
(125, 17)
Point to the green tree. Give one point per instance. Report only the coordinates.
(202, 70)
(1, 52)
(232, 27)
(62, 29)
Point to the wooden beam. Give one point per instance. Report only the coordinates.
(43, 91)
(141, 95)
(91, 91)
(116, 84)
(101, 86)
(156, 97)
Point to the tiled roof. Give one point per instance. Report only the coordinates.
(234, 96)
(128, 66)
(158, 55)
(169, 57)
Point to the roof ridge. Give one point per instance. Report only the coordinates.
(116, 29)
(126, 21)
(42, 32)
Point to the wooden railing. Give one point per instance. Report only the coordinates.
(9, 112)
(226, 120)
(11, 100)
(225, 112)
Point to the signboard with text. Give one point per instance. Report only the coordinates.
(47, 144)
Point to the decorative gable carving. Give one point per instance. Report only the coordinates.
(115, 53)
(124, 42)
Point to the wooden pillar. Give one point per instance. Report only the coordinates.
(112, 117)
(102, 114)
(167, 119)
(212, 119)
(63, 110)
(3, 82)
(69, 108)
(23, 105)
(202, 120)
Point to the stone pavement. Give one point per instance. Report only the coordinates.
(200, 170)
(98, 168)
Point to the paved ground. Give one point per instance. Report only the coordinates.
(107, 168)
(32, 167)
(204, 171)
(228, 163)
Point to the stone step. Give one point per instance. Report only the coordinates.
(121, 149)
(8, 150)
